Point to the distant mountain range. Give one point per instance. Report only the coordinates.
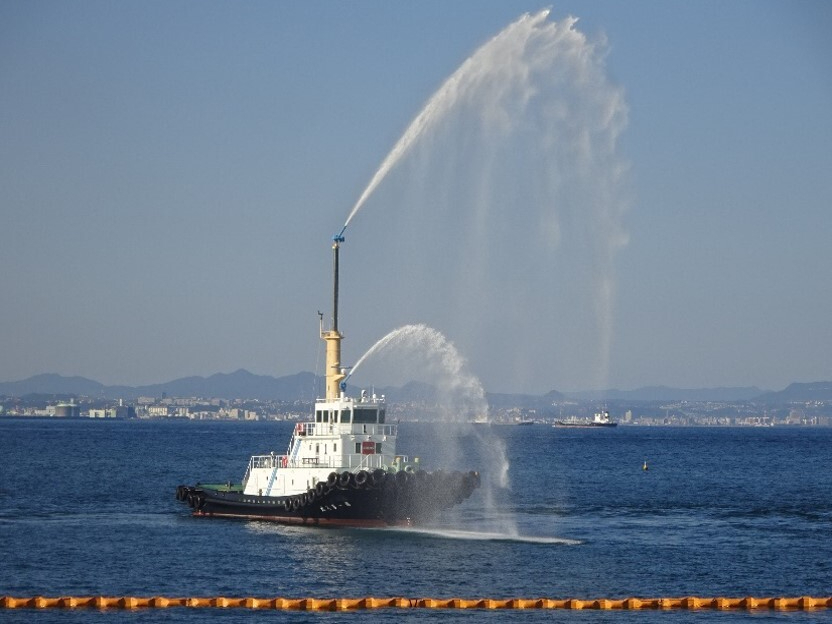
(663, 393)
(237, 385)
(306, 386)
(815, 391)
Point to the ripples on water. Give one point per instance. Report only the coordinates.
(88, 508)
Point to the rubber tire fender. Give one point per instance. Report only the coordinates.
(376, 477)
(345, 480)
(361, 479)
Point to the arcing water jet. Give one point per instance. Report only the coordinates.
(460, 392)
(462, 84)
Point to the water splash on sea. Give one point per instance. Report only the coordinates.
(487, 536)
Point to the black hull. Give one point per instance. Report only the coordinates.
(584, 425)
(400, 499)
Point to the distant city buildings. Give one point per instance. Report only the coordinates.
(645, 413)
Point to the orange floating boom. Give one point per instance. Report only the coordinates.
(748, 603)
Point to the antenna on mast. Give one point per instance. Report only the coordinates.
(336, 245)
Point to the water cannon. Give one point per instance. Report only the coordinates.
(339, 237)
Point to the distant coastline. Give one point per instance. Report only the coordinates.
(243, 396)
(804, 405)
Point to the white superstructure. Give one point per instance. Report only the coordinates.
(346, 435)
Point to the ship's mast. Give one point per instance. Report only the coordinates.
(334, 373)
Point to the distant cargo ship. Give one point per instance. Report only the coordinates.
(601, 419)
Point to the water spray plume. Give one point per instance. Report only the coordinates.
(511, 169)
(461, 401)
(517, 181)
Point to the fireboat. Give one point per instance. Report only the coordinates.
(339, 469)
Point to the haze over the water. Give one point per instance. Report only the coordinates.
(639, 197)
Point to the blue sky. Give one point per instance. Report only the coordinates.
(171, 175)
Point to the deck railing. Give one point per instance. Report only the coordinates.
(351, 462)
(324, 429)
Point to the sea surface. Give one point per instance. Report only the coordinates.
(88, 508)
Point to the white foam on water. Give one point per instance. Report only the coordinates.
(485, 536)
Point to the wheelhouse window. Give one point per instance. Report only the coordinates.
(366, 415)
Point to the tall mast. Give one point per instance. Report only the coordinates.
(336, 245)
(334, 373)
